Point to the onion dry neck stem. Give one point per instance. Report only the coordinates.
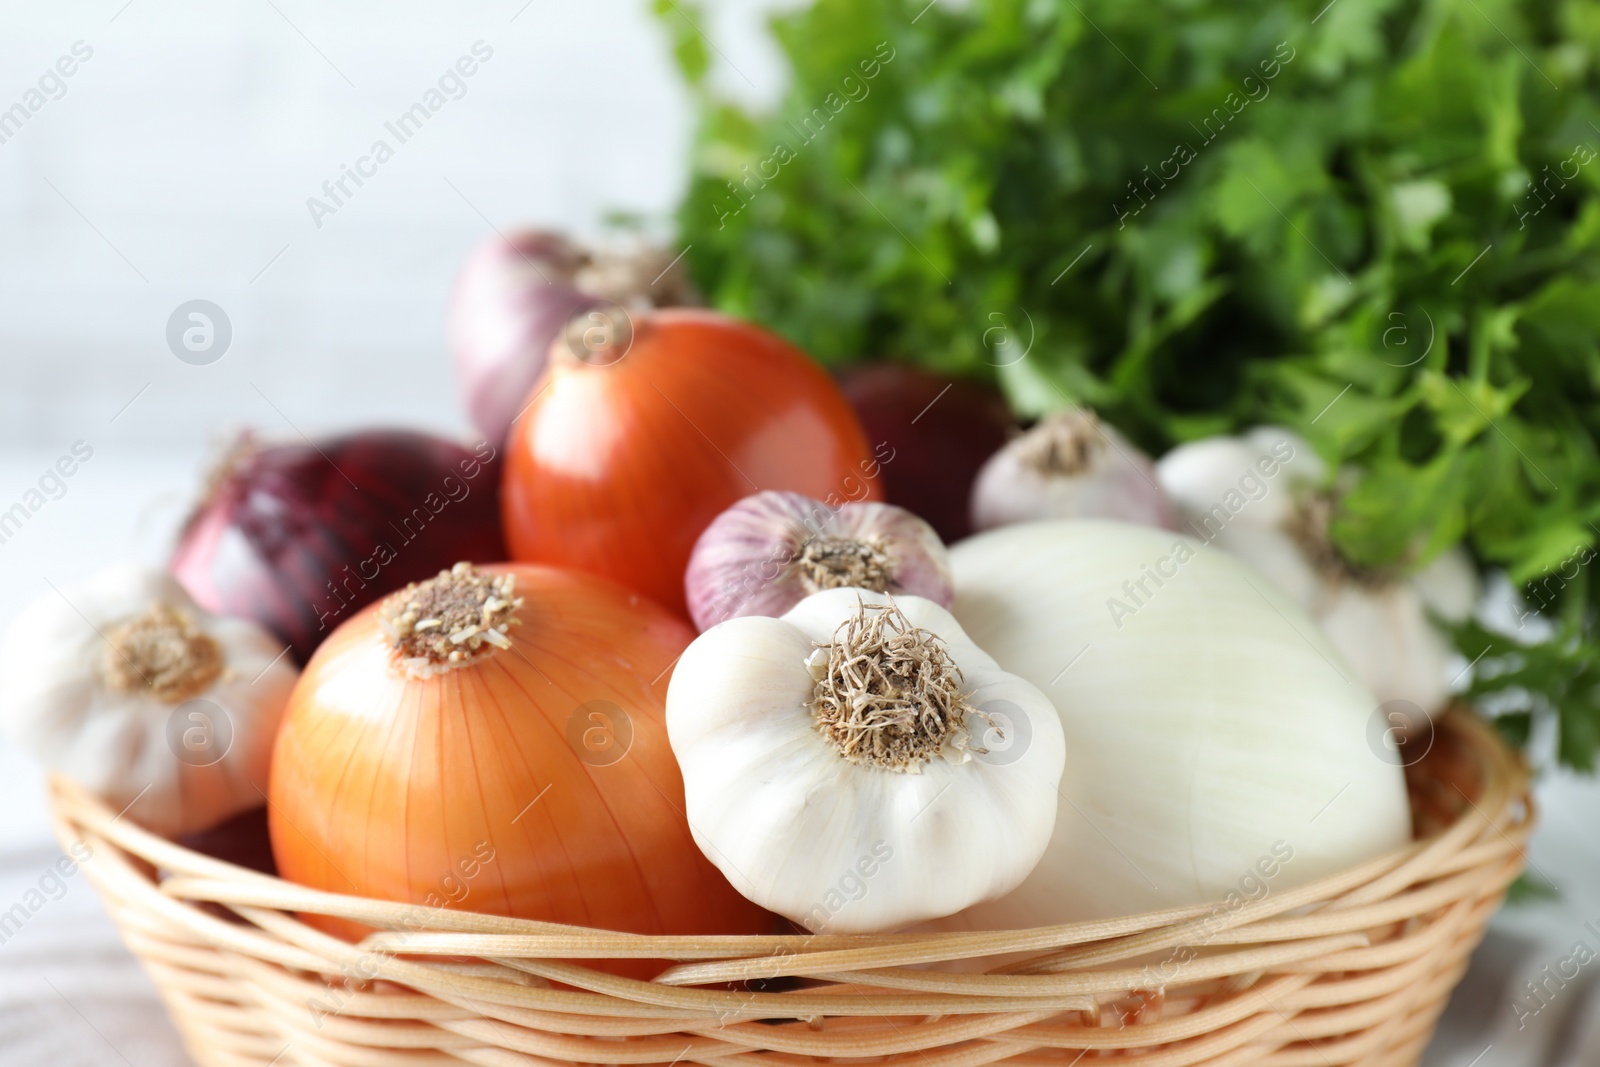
(889, 694)
(1064, 443)
(636, 278)
(844, 563)
(450, 621)
(160, 652)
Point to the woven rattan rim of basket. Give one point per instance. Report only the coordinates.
(1351, 969)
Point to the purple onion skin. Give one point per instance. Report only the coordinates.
(300, 537)
(510, 302)
(936, 456)
(745, 561)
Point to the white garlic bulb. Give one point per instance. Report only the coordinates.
(1069, 466)
(772, 549)
(1261, 497)
(859, 764)
(125, 685)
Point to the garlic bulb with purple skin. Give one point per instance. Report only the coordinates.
(1069, 466)
(771, 550)
(515, 295)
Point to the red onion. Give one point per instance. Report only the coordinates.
(241, 840)
(940, 430)
(513, 297)
(299, 536)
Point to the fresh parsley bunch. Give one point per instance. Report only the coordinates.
(1374, 221)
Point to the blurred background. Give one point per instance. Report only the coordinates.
(178, 162)
(175, 164)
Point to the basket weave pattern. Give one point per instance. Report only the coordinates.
(1352, 969)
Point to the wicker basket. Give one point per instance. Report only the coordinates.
(1353, 969)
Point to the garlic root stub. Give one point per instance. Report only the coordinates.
(491, 740)
(859, 764)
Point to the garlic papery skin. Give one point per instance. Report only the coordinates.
(1391, 645)
(773, 549)
(125, 685)
(1261, 497)
(816, 807)
(1069, 466)
(1202, 474)
(1203, 727)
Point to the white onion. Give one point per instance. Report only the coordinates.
(1206, 725)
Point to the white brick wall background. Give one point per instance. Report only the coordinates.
(192, 139)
